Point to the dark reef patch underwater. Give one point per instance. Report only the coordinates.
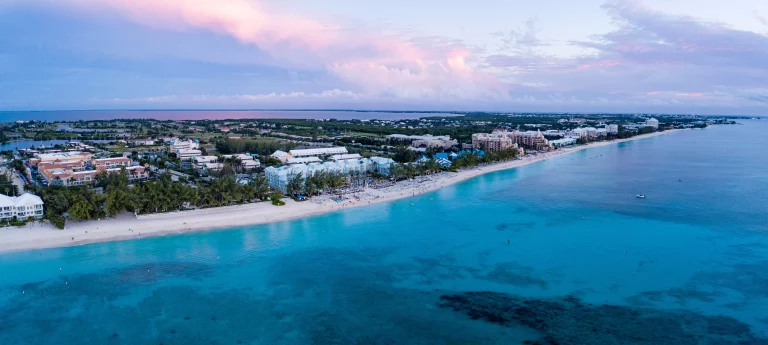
(569, 321)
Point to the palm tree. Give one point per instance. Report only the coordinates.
(261, 186)
(295, 185)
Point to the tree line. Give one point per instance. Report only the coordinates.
(80, 203)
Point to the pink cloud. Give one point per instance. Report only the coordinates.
(375, 62)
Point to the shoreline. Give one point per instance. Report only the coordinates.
(127, 227)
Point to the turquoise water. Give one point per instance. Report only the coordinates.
(558, 252)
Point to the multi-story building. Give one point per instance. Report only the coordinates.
(282, 156)
(62, 157)
(503, 140)
(531, 140)
(187, 157)
(142, 142)
(612, 129)
(577, 133)
(177, 145)
(652, 122)
(496, 141)
(602, 132)
(72, 165)
(74, 173)
(279, 177)
(325, 151)
(563, 142)
(207, 162)
(438, 141)
(135, 172)
(22, 207)
(247, 161)
(110, 163)
(351, 156)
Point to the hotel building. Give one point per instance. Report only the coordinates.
(503, 140)
(22, 207)
(279, 177)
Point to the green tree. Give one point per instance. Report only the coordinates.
(261, 186)
(295, 185)
(6, 185)
(81, 209)
(404, 155)
(116, 201)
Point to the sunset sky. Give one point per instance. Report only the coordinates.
(681, 56)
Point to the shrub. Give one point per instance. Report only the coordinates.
(58, 221)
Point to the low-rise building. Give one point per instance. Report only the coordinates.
(187, 157)
(303, 160)
(63, 157)
(247, 161)
(325, 151)
(282, 156)
(135, 172)
(563, 142)
(437, 141)
(207, 162)
(110, 163)
(142, 142)
(177, 145)
(346, 157)
(22, 207)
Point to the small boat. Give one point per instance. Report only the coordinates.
(641, 196)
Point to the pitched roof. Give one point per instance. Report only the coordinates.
(6, 201)
(27, 199)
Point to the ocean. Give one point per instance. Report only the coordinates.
(556, 252)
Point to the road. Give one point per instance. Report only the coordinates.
(15, 177)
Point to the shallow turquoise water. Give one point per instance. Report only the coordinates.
(694, 249)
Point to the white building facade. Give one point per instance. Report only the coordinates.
(279, 177)
(22, 207)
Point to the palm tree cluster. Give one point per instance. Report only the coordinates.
(317, 183)
(159, 195)
(402, 171)
(473, 159)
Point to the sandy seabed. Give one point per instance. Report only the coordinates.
(127, 226)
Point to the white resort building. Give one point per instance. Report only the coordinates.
(501, 140)
(325, 151)
(278, 177)
(438, 141)
(22, 207)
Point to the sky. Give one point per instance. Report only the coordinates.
(631, 56)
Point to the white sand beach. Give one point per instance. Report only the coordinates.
(127, 227)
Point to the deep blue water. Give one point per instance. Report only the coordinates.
(492, 260)
(75, 115)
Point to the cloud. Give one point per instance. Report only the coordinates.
(651, 56)
(368, 61)
(246, 49)
(760, 18)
